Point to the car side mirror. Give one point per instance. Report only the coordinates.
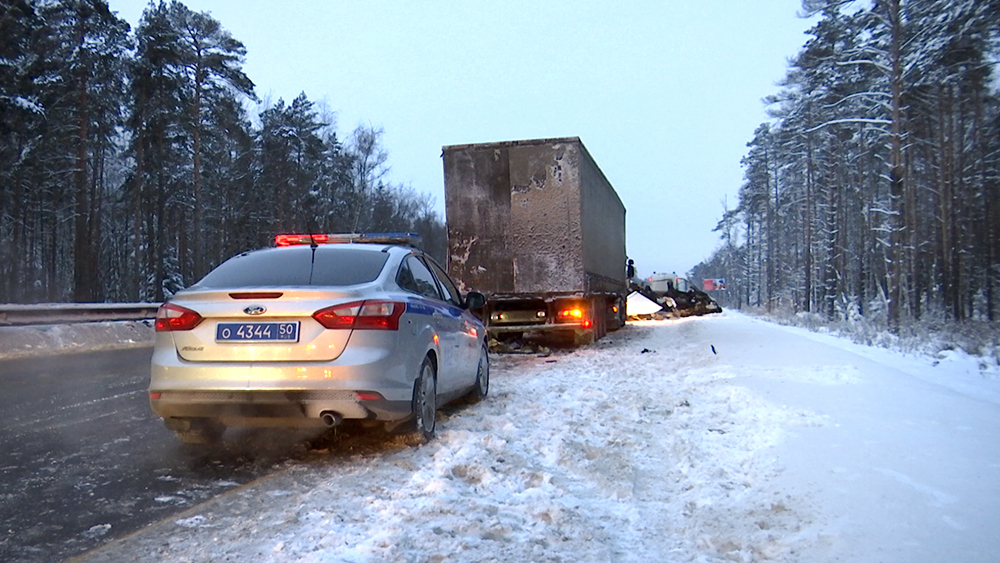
(475, 300)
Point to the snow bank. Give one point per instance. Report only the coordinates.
(46, 340)
(972, 376)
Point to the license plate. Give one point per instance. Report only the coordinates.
(257, 332)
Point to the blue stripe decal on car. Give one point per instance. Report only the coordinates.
(418, 308)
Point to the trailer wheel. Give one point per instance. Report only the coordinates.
(616, 313)
(599, 316)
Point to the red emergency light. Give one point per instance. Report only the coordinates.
(292, 240)
(406, 239)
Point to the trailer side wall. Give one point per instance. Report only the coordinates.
(602, 217)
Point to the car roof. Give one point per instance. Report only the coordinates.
(296, 265)
(337, 247)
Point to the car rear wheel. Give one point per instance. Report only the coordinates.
(425, 401)
(482, 387)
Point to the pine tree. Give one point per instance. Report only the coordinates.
(93, 210)
(158, 147)
(208, 62)
(291, 155)
(883, 165)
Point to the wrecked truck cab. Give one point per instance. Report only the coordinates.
(683, 296)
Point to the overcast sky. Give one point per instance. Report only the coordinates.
(664, 94)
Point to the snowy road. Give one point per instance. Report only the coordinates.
(83, 459)
(707, 439)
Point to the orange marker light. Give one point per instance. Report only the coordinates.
(575, 313)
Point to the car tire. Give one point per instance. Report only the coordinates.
(425, 401)
(197, 431)
(482, 385)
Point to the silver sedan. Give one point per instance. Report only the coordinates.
(314, 331)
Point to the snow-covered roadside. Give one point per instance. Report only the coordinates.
(46, 340)
(691, 440)
(958, 370)
(906, 469)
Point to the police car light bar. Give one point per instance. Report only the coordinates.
(408, 239)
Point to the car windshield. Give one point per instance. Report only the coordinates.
(334, 265)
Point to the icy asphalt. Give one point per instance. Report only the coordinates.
(711, 439)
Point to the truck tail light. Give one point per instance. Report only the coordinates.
(172, 317)
(574, 314)
(362, 315)
(570, 314)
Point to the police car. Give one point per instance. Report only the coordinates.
(315, 331)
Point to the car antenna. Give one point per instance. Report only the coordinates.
(313, 245)
(312, 238)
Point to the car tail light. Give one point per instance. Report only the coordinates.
(172, 317)
(362, 315)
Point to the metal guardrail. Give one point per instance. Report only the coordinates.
(63, 313)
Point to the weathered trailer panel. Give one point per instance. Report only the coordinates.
(602, 216)
(533, 219)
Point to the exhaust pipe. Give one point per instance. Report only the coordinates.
(330, 418)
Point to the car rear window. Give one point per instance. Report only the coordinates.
(334, 265)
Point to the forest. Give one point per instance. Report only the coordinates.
(874, 189)
(134, 161)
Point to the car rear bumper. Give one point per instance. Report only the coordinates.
(243, 394)
(274, 408)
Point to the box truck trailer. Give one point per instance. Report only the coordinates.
(536, 227)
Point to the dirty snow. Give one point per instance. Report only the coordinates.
(707, 439)
(28, 341)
